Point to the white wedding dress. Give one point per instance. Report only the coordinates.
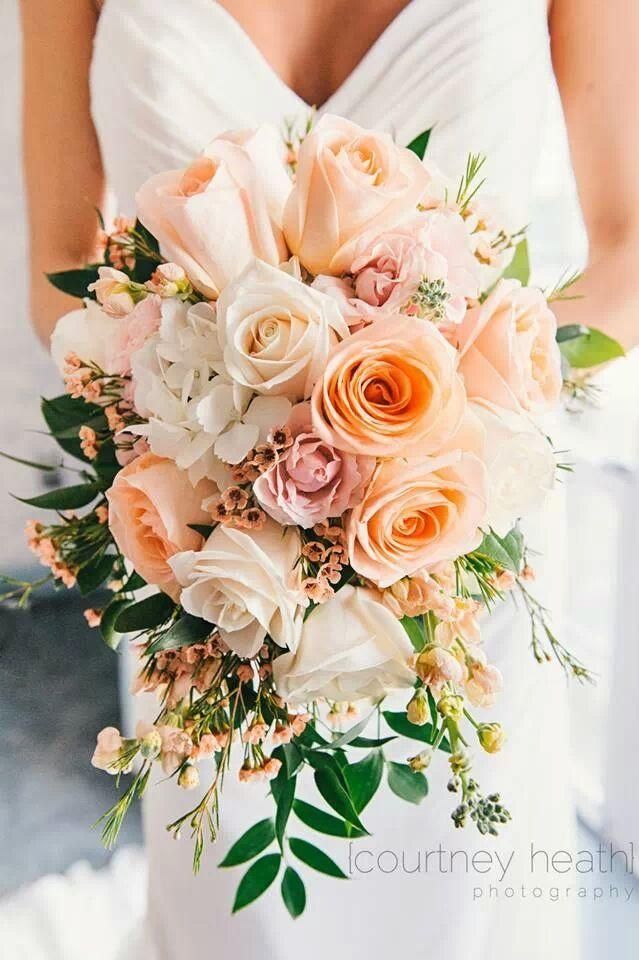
(166, 77)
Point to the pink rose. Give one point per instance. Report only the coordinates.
(428, 261)
(134, 330)
(349, 180)
(215, 215)
(151, 504)
(416, 513)
(314, 481)
(508, 352)
(390, 390)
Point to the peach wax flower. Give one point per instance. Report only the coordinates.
(151, 504)
(508, 352)
(390, 390)
(415, 514)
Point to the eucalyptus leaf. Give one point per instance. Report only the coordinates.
(351, 734)
(410, 785)
(257, 879)
(293, 892)
(315, 858)
(256, 839)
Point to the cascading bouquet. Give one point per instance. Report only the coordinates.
(302, 390)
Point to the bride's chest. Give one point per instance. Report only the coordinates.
(168, 77)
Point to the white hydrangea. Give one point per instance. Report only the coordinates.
(197, 416)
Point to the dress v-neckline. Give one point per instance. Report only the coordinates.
(348, 81)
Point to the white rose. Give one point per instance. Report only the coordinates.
(247, 583)
(276, 332)
(521, 465)
(351, 647)
(88, 332)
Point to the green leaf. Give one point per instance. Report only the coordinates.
(364, 778)
(519, 266)
(107, 624)
(330, 787)
(315, 858)
(323, 822)
(66, 498)
(64, 415)
(29, 463)
(419, 144)
(506, 552)
(410, 785)
(183, 633)
(348, 736)
(145, 614)
(588, 348)
(74, 282)
(256, 839)
(293, 892)
(415, 631)
(291, 756)
(285, 797)
(369, 743)
(135, 582)
(204, 529)
(399, 722)
(257, 879)
(95, 573)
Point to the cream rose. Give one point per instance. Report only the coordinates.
(416, 513)
(151, 504)
(213, 216)
(351, 647)
(508, 352)
(89, 333)
(521, 465)
(390, 390)
(247, 583)
(276, 332)
(348, 180)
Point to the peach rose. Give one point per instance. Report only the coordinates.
(151, 504)
(508, 352)
(349, 180)
(415, 514)
(213, 216)
(390, 390)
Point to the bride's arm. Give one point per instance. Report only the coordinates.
(595, 46)
(64, 178)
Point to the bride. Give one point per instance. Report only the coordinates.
(127, 88)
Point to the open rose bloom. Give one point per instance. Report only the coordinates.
(307, 410)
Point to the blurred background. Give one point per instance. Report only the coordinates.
(51, 664)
